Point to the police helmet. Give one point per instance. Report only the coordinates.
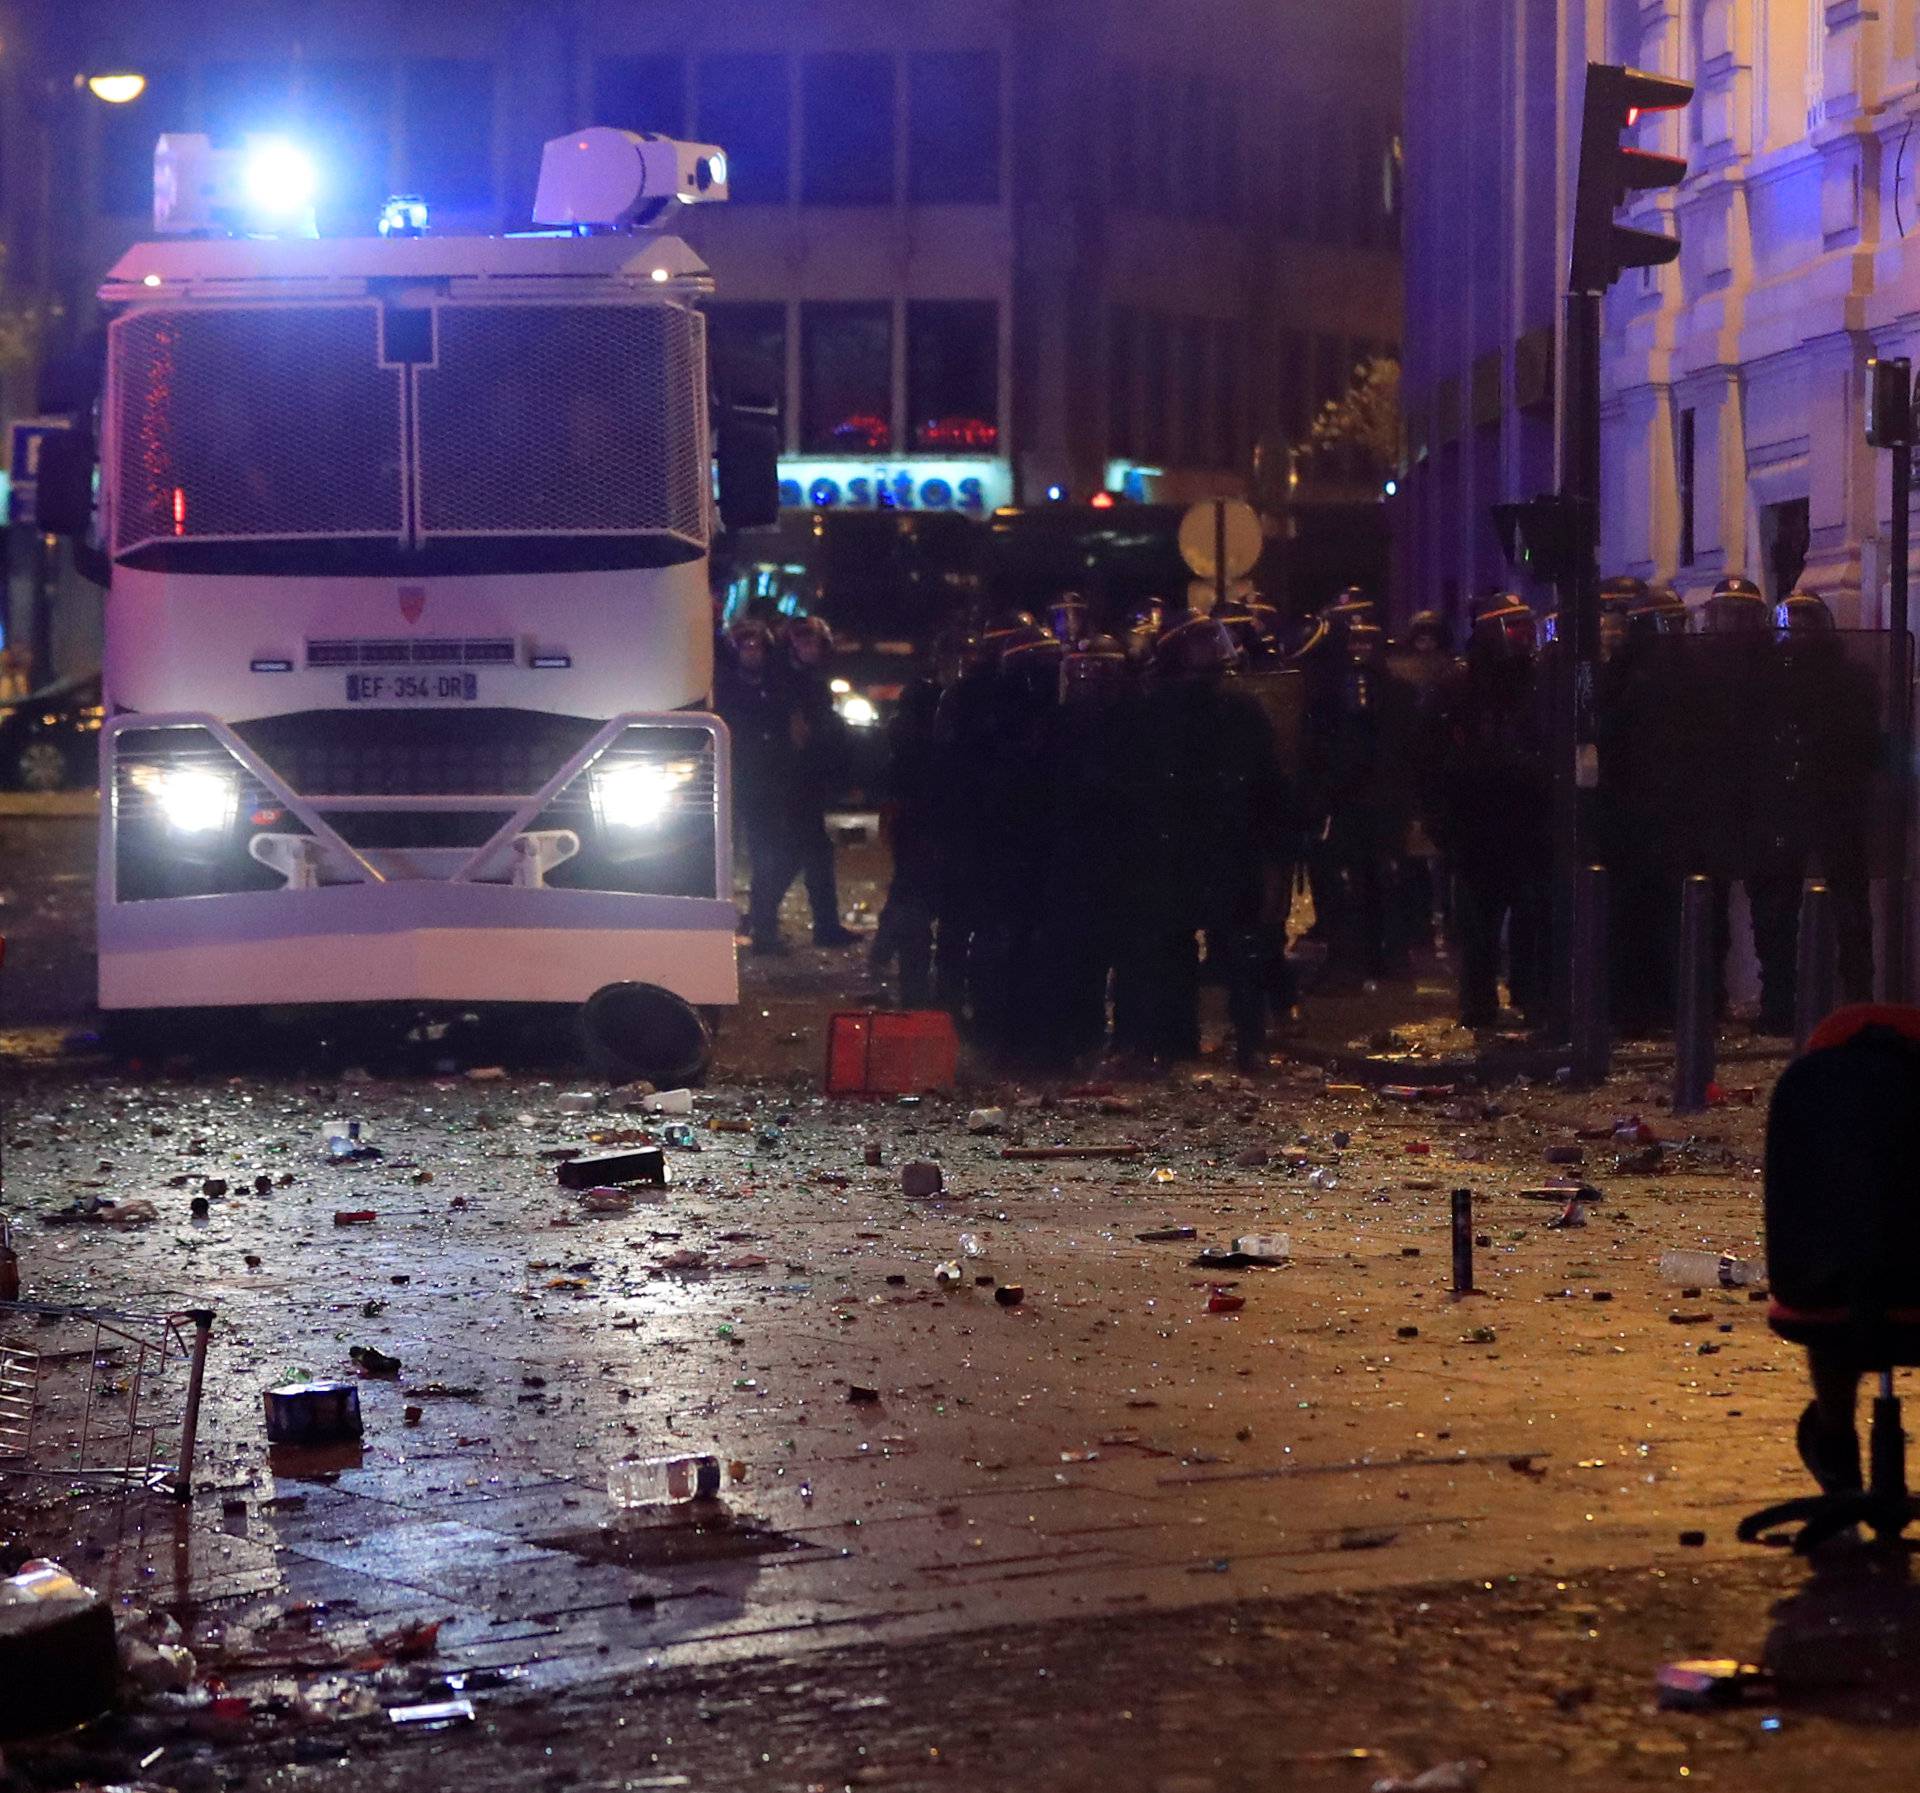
(808, 639)
(1314, 640)
(1802, 613)
(1008, 630)
(1199, 647)
(956, 653)
(1428, 631)
(1069, 619)
(1253, 624)
(1094, 672)
(1735, 606)
(1503, 627)
(1145, 622)
(1366, 642)
(1660, 610)
(1621, 592)
(1352, 606)
(750, 644)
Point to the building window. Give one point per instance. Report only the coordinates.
(746, 107)
(747, 344)
(1194, 391)
(641, 93)
(1331, 371)
(1193, 132)
(1685, 458)
(1225, 185)
(1333, 203)
(1156, 357)
(245, 96)
(1122, 438)
(846, 378)
(953, 376)
(1123, 133)
(1292, 192)
(1157, 129)
(953, 127)
(126, 139)
(847, 104)
(1229, 391)
(1293, 384)
(348, 110)
(448, 129)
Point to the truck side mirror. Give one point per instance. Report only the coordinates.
(747, 461)
(63, 483)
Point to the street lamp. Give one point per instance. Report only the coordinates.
(118, 88)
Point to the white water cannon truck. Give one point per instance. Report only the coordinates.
(409, 642)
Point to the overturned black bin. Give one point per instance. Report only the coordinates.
(640, 1032)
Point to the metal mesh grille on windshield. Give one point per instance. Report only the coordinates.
(255, 423)
(564, 420)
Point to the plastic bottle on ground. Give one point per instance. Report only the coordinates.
(1265, 1245)
(663, 1481)
(1697, 1269)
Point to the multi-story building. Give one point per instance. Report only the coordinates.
(983, 252)
(1732, 426)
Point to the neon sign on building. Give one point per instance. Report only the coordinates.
(973, 487)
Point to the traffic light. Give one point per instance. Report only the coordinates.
(1610, 172)
(1889, 402)
(1540, 536)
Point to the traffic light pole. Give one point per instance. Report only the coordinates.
(1900, 703)
(1575, 757)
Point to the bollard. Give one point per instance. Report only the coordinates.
(1816, 957)
(1695, 1020)
(1592, 1043)
(1463, 1242)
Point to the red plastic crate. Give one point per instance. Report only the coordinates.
(888, 1052)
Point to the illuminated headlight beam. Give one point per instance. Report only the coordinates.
(636, 795)
(195, 802)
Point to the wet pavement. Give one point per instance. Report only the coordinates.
(1256, 1516)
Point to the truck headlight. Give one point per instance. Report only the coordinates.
(636, 795)
(193, 801)
(858, 712)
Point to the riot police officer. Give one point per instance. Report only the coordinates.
(1424, 663)
(1491, 816)
(1645, 816)
(752, 702)
(1210, 805)
(1817, 812)
(967, 743)
(1085, 891)
(1365, 761)
(912, 816)
(819, 764)
(1016, 843)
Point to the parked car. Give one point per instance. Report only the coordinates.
(50, 739)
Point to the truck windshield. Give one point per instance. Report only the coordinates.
(329, 438)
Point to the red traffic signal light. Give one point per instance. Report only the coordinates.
(1611, 171)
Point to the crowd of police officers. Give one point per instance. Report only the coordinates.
(1085, 825)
